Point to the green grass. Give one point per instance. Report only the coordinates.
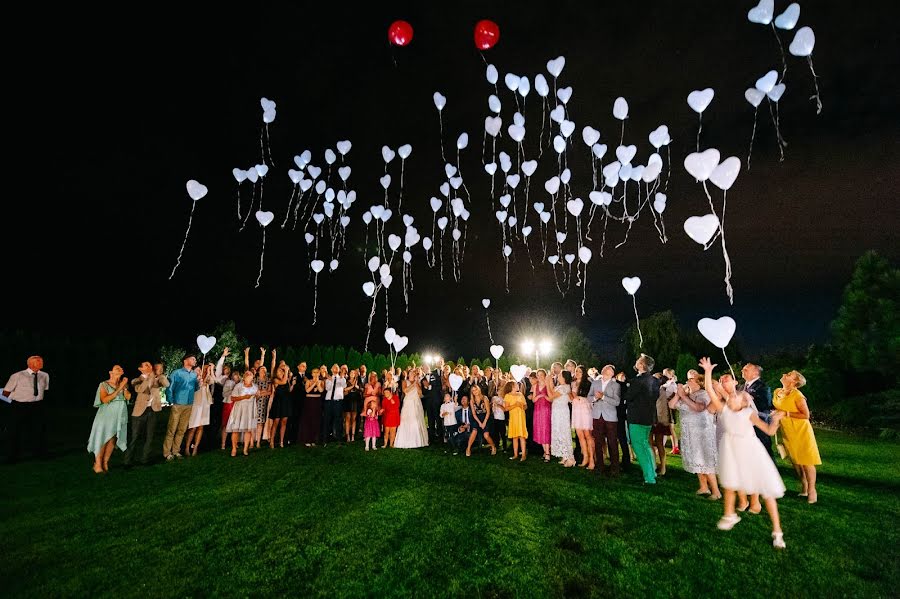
(338, 521)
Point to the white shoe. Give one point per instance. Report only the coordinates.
(728, 522)
(778, 540)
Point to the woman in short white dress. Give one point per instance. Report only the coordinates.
(203, 398)
(243, 414)
(560, 423)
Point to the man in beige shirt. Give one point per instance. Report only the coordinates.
(147, 388)
(25, 391)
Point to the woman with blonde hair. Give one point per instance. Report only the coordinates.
(481, 413)
(110, 428)
(799, 440)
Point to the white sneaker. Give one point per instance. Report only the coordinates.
(778, 540)
(170, 457)
(728, 522)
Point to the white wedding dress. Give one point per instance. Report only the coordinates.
(412, 431)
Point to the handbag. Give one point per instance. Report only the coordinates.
(782, 451)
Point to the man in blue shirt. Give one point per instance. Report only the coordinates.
(182, 385)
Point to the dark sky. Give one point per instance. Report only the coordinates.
(116, 118)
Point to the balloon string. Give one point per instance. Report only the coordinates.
(816, 83)
(184, 243)
(781, 48)
(441, 121)
(262, 187)
(261, 255)
(584, 289)
(730, 367)
(487, 315)
(728, 288)
(699, 129)
(371, 315)
(752, 137)
(779, 139)
(400, 201)
(250, 209)
(239, 202)
(714, 213)
(638, 320)
(669, 174)
(315, 297)
(287, 214)
(622, 137)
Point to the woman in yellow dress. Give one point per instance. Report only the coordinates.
(799, 440)
(514, 403)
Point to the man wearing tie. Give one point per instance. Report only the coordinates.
(333, 407)
(606, 396)
(143, 420)
(762, 399)
(25, 392)
(459, 435)
(432, 397)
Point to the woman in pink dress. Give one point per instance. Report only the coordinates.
(542, 407)
(582, 419)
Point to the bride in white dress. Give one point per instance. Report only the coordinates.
(412, 431)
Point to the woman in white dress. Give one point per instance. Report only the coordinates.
(560, 424)
(243, 414)
(744, 464)
(412, 431)
(203, 398)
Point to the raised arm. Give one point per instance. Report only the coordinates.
(716, 403)
(246, 358)
(221, 364)
(274, 353)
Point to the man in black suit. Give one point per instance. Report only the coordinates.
(459, 434)
(762, 399)
(640, 399)
(432, 398)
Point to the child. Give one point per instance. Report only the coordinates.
(743, 463)
(372, 430)
(448, 413)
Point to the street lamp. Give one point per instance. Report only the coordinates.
(543, 347)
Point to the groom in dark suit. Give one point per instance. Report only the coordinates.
(432, 398)
(762, 399)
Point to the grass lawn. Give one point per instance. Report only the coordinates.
(338, 521)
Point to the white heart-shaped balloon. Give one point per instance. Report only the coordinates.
(585, 254)
(404, 151)
(659, 203)
(330, 156)
(701, 228)
(462, 141)
(526, 231)
(490, 168)
(496, 351)
(386, 280)
(374, 263)
(305, 185)
(511, 221)
(492, 125)
(538, 207)
(400, 343)
(540, 86)
(570, 258)
(518, 119)
(754, 96)
(314, 171)
(455, 381)
(718, 332)
(620, 108)
(333, 265)
(702, 164)
(558, 114)
(788, 19)
(651, 171)
(501, 215)
(368, 288)
(555, 66)
(767, 82)
(455, 182)
(367, 217)
(317, 266)
(320, 186)
(511, 81)
(240, 175)
(436, 204)
(262, 169)
(575, 207)
(524, 86)
(390, 335)
(344, 172)
(598, 198)
(551, 185)
(295, 176)
(458, 206)
(196, 190)
(699, 100)
(507, 250)
(723, 176)
(318, 218)
(252, 175)
(567, 128)
(625, 172)
(456, 233)
(385, 181)
(387, 154)
(599, 151)
(518, 371)
(309, 238)
(344, 146)
(545, 217)
(659, 137)
(590, 136)
(439, 100)
(631, 284)
(513, 180)
(559, 144)
(427, 243)
(777, 92)
(561, 236)
(494, 106)
(394, 241)
(345, 220)
(762, 13)
(516, 132)
(449, 170)
(205, 343)
(445, 189)
(264, 217)
(564, 94)
(442, 223)
(625, 154)
(553, 259)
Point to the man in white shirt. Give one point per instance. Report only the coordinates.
(332, 409)
(25, 391)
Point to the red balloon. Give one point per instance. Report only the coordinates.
(487, 33)
(400, 33)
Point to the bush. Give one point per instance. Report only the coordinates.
(876, 411)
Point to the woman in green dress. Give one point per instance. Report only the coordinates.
(111, 422)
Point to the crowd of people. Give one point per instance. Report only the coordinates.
(725, 427)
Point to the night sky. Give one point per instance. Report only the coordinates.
(117, 118)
